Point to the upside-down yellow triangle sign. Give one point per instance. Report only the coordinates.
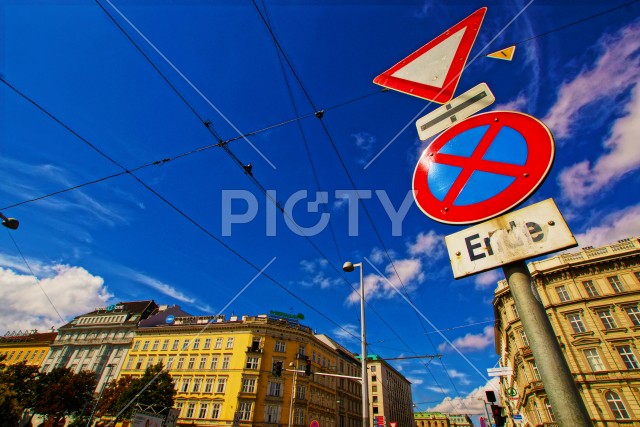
(506, 53)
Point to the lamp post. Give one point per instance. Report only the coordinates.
(104, 384)
(349, 267)
(293, 390)
(10, 223)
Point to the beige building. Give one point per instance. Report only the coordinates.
(389, 394)
(439, 419)
(592, 298)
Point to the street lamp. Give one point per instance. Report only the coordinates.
(104, 384)
(10, 223)
(349, 267)
(293, 390)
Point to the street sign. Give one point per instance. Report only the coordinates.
(314, 423)
(500, 372)
(512, 392)
(505, 54)
(482, 167)
(470, 102)
(535, 230)
(517, 418)
(433, 71)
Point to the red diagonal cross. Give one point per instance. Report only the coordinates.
(476, 163)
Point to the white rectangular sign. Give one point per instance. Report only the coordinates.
(454, 111)
(535, 230)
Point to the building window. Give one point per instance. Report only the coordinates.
(215, 410)
(175, 344)
(179, 406)
(192, 362)
(249, 385)
(272, 413)
(299, 417)
(214, 363)
(252, 363)
(196, 344)
(185, 345)
(552, 417)
(594, 359)
(590, 288)
(229, 343)
(514, 310)
(136, 346)
(534, 369)
(225, 362)
(244, 410)
(280, 346)
(156, 343)
(191, 408)
(185, 385)
(563, 294)
(275, 389)
(145, 346)
(634, 315)
(222, 383)
(616, 405)
(196, 385)
(165, 345)
(203, 362)
(180, 364)
(203, 410)
(607, 319)
(523, 336)
(616, 284)
(301, 392)
(207, 344)
(208, 385)
(218, 345)
(576, 323)
(628, 357)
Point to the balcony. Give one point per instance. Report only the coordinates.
(254, 349)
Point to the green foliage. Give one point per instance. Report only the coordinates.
(10, 408)
(61, 392)
(17, 390)
(155, 387)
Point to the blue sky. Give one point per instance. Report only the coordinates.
(196, 230)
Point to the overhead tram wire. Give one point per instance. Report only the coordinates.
(580, 21)
(344, 167)
(304, 138)
(178, 210)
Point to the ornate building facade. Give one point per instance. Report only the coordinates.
(592, 298)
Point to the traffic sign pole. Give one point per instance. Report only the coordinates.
(558, 381)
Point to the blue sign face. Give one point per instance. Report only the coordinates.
(170, 318)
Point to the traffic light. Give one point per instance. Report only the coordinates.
(278, 369)
(498, 419)
(491, 396)
(307, 368)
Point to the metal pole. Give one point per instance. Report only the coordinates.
(293, 392)
(104, 385)
(363, 356)
(558, 381)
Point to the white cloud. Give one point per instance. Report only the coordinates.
(621, 156)
(461, 376)
(615, 70)
(471, 404)
(315, 276)
(615, 226)
(430, 244)
(162, 287)
(488, 279)
(348, 332)
(72, 291)
(409, 273)
(520, 103)
(471, 342)
(364, 140)
(415, 380)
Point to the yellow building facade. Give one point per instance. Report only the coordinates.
(592, 298)
(239, 372)
(29, 347)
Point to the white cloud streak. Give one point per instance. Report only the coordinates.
(471, 342)
(616, 225)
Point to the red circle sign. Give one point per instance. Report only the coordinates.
(482, 167)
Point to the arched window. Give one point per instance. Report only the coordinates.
(616, 405)
(552, 417)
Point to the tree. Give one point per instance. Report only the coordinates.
(155, 387)
(61, 392)
(17, 390)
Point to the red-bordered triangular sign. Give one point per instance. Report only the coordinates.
(433, 71)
